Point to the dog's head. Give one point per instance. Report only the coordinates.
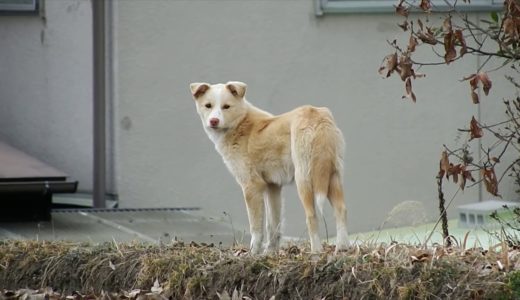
(220, 106)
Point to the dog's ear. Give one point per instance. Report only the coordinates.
(198, 89)
(237, 88)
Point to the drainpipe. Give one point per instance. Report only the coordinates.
(99, 110)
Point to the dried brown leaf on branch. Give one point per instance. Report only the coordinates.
(405, 67)
(444, 164)
(475, 130)
(474, 97)
(412, 44)
(458, 172)
(454, 171)
(512, 8)
(446, 25)
(490, 181)
(486, 82)
(389, 65)
(511, 32)
(402, 65)
(425, 5)
(449, 47)
(402, 10)
(460, 37)
(465, 175)
(449, 41)
(511, 23)
(409, 93)
(474, 80)
(427, 37)
(404, 26)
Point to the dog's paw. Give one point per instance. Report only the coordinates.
(342, 248)
(255, 251)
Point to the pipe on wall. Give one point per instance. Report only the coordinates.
(99, 109)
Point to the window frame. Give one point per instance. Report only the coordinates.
(14, 7)
(323, 7)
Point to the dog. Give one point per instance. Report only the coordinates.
(265, 152)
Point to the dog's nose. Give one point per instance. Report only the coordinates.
(213, 122)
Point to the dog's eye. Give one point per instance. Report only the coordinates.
(226, 106)
(208, 105)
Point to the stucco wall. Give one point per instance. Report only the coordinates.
(288, 57)
(46, 86)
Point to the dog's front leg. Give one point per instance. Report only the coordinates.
(253, 194)
(274, 208)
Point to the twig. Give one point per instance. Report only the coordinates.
(442, 210)
(440, 218)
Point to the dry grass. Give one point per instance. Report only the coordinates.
(179, 271)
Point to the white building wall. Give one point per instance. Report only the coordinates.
(46, 86)
(288, 57)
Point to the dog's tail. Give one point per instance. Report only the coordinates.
(317, 148)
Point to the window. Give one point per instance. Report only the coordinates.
(480, 219)
(19, 7)
(472, 219)
(387, 6)
(462, 217)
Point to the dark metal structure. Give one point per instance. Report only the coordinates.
(27, 185)
(99, 80)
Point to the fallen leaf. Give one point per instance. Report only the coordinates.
(133, 294)
(156, 288)
(240, 252)
(111, 265)
(421, 257)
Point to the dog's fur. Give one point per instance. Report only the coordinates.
(265, 152)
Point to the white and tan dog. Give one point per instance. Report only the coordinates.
(265, 152)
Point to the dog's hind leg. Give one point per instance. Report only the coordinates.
(274, 208)
(307, 197)
(335, 195)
